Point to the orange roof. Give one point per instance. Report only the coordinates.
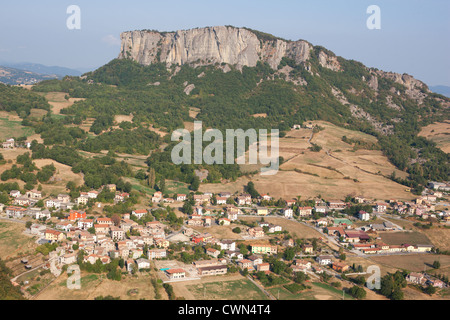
(101, 225)
(172, 271)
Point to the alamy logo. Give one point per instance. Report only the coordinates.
(374, 21)
(374, 280)
(73, 22)
(186, 150)
(74, 281)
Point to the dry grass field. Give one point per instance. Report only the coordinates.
(296, 229)
(12, 240)
(440, 237)
(334, 172)
(193, 112)
(63, 175)
(399, 238)
(58, 102)
(411, 293)
(438, 132)
(93, 285)
(59, 181)
(222, 232)
(413, 262)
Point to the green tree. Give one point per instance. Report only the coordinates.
(151, 180)
(289, 254)
(195, 184)
(357, 292)
(237, 230)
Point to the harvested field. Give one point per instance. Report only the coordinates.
(123, 118)
(259, 115)
(440, 237)
(222, 232)
(296, 229)
(12, 240)
(193, 112)
(334, 172)
(438, 132)
(94, 285)
(414, 262)
(58, 102)
(58, 182)
(399, 238)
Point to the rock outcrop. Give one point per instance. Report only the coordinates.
(205, 46)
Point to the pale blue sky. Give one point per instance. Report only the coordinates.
(414, 36)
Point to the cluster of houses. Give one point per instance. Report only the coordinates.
(103, 239)
(30, 198)
(11, 144)
(424, 280)
(439, 186)
(62, 201)
(362, 239)
(108, 241)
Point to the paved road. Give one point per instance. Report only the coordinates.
(381, 216)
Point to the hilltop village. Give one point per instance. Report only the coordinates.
(189, 245)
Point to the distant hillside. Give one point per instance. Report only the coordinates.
(60, 72)
(229, 75)
(14, 76)
(444, 90)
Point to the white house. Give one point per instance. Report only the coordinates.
(53, 203)
(221, 200)
(15, 193)
(324, 260)
(320, 209)
(364, 216)
(43, 214)
(139, 213)
(143, 263)
(227, 245)
(287, 212)
(381, 207)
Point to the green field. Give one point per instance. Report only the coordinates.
(13, 129)
(172, 187)
(318, 291)
(227, 290)
(177, 187)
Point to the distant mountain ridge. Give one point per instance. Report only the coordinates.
(31, 73)
(42, 69)
(444, 90)
(13, 76)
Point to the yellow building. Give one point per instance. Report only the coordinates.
(53, 235)
(262, 211)
(263, 249)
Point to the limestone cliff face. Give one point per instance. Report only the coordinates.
(234, 46)
(239, 47)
